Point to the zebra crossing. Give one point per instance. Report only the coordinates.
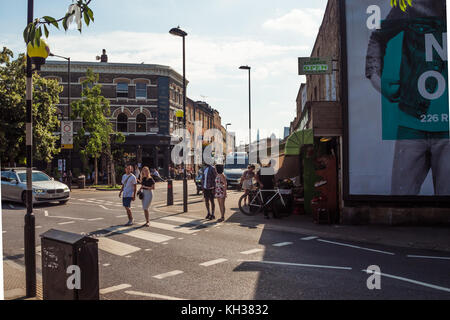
(174, 225)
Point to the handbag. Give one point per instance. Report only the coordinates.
(140, 194)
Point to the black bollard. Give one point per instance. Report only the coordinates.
(169, 192)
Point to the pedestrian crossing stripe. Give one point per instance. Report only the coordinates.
(115, 247)
(140, 234)
(185, 220)
(173, 228)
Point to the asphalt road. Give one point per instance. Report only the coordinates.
(182, 256)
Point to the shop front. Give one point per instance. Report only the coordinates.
(313, 157)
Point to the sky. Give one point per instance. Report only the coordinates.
(267, 35)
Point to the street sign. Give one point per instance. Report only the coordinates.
(312, 66)
(66, 134)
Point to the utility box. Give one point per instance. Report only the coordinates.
(69, 266)
(82, 182)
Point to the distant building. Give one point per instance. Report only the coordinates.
(144, 99)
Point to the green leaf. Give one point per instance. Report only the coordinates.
(32, 34)
(26, 33)
(64, 23)
(86, 18)
(51, 20)
(46, 31)
(90, 13)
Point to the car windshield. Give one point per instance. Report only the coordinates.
(36, 177)
(236, 163)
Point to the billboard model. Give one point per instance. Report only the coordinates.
(396, 71)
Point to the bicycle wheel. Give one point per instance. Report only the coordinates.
(251, 207)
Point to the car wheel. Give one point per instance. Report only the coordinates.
(63, 202)
(24, 198)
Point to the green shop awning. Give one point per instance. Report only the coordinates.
(297, 140)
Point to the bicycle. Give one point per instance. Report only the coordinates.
(257, 204)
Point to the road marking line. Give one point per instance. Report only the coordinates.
(429, 257)
(183, 220)
(69, 222)
(69, 218)
(140, 234)
(298, 264)
(424, 284)
(309, 238)
(174, 228)
(103, 207)
(115, 247)
(168, 274)
(252, 251)
(283, 244)
(213, 262)
(4, 232)
(151, 295)
(38, 250)
(96, 219)
(115, 288)
(46, 213)
(106, 264)
(356, 247)
(124, 216)
(38, 227)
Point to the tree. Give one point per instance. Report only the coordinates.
(12, 112)
(94, 138)
(77, 11)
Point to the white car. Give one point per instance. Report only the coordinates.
(45, 189)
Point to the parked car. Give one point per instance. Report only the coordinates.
(45, 188)
(235, 166)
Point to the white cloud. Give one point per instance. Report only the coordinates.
(303, 21)
(207, 58)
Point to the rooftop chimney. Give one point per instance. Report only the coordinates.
(104, 57)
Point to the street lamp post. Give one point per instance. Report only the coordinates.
(180, 33)
(249, 108)
(69, 85)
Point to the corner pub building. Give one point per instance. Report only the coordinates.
(143, 98)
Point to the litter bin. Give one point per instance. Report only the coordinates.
(62, 253)
(82, 182)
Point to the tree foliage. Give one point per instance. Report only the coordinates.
(97, 134)
(13, 109)
(78, 11)
(94, 109)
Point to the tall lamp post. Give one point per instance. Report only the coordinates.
(36, 56)
(180, 33)
(249, 108)
(69, 85)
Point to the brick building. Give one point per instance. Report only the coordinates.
(144, 99)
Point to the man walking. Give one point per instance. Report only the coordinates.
(209, 186)
(128, 189)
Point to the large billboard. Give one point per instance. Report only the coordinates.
(397, 104)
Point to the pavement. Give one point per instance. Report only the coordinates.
(172, 258)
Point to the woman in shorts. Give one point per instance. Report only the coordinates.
(247, 181)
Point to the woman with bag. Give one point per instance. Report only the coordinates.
(221, 190)
(146, 192)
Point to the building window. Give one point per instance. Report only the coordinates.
(153, 114)
(122, 90)
(141, 90)
(141, 123)
(122, 123)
